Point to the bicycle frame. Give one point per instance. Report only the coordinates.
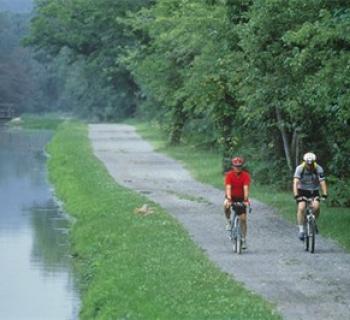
(236, 232)
(309, 224)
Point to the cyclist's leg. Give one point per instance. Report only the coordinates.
(244, 228)
(227, 211)
(244, 225)
(316, 205)
(300, 218)
(301, 212)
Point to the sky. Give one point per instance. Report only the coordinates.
(18, 6)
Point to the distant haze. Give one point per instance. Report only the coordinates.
(18, 6)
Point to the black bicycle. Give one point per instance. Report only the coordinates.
(237, 208)
(310, 225)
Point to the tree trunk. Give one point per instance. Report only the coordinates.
(297, 151)
(179, 120)
(225, 124)
(284, 135)
(296, 146)
(226, 132)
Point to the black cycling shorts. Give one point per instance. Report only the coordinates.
(239, 209)
(309, 193)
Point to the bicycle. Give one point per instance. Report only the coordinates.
(237, 208)
(310, 225)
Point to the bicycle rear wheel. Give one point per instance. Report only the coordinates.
(307, 243)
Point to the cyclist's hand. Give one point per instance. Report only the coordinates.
(246, 203)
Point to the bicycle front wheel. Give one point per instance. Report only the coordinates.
(306, 236)
(312, 236)
(238, 242)
(233, 239)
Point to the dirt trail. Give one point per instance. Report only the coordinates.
(303, 286)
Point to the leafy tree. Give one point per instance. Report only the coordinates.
(180, 67)
(268, 77)
(17, 69)
(321, 54)
(158, 66)
(272, 87)
(90, 30)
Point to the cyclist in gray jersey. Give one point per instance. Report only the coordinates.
(308, 179)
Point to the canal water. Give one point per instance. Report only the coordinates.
(36, 278)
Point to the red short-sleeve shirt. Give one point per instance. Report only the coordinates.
(237, 180)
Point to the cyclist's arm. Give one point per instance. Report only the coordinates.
(296, 180)
(246, 184)
(322, 180)
(295, 186)
(323, 187)
(246, 192)
(228, 191)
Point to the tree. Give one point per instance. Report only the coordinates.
(180, 67)
(90, 30)
(321, 54)
(272, 89)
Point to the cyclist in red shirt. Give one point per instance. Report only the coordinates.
(237, 183)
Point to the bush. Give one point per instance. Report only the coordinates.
(339, 192)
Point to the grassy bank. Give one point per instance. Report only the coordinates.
(30, 121)
(136, 266)
(205, 166)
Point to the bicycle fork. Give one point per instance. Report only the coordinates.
(310, 224)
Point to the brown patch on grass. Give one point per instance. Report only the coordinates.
(145, 210)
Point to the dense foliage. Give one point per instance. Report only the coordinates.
(265, 78)
(87, 35)
(16, 67)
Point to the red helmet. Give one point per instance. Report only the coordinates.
(237, 161)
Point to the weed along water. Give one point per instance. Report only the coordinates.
(36, 279)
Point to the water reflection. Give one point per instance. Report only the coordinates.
(36, 280)
(50, 241)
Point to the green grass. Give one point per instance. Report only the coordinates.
(133, 266)
(32, 121)
(205, 166)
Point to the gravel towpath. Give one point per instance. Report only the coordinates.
(303, 286)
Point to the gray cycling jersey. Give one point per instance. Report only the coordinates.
(309, 180)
